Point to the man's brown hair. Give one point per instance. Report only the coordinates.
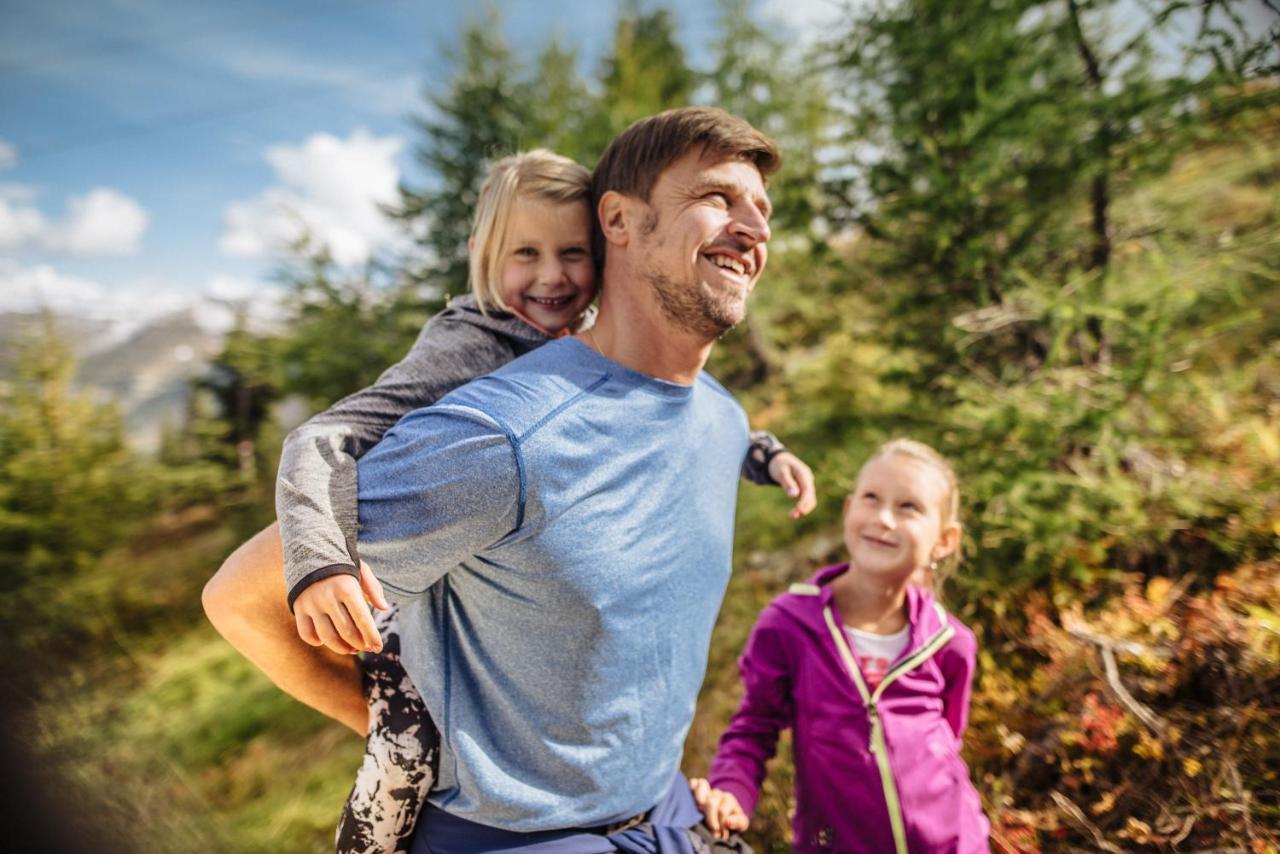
(636, 157)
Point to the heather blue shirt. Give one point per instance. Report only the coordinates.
(579, 518)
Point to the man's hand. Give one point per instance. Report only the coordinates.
(332, 613)
(721, 809)
(796, 479)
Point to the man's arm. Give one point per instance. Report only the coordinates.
(245, 601)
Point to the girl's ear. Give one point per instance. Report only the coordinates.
(948, 542)
(615, 215)
(471, 244)
(848, 502)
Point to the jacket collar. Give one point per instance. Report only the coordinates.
(808, 600)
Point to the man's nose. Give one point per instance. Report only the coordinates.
(750, 222)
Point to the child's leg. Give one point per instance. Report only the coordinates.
(401, 756)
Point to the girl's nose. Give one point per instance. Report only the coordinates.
(551, 272)
(886, 517)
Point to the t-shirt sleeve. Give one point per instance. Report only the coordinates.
(316, 485)
(443, 486)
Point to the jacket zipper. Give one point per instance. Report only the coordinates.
(879, 747)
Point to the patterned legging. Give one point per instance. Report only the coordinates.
(401, 757)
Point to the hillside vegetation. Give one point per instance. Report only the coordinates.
(1066, 282)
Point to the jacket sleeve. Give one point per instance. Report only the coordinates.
(763, 448)
(766, 709)
(316, 485)
(958, 666)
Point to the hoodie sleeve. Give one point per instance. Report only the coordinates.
(764, 447)
(766, 709)
(958, 665)
(316, 486)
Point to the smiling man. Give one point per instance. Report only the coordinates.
(558, 533)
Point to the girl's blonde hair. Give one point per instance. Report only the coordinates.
(537, 174)
(950, 510)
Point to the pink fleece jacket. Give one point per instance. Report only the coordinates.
(796, 673)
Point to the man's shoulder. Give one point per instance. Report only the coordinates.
(528, 390)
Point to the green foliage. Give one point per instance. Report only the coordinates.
(69, 488)
(480, 117)
(644, 72)
(373, 325)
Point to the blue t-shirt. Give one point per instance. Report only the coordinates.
(579, 518)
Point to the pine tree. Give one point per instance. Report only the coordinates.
(481, 116)
(645, 72)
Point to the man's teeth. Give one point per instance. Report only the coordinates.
(729, 263)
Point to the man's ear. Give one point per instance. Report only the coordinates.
(614, 211)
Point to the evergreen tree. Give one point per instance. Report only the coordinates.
(561, 109)
(759, 77)
(645, 72)
(69, 487)
(481, 116)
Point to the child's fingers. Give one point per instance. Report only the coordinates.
(372, 588)
(808, 495)
(306, 629)
(700, 789)
(362, 618)
(346, 627)
(329, 636)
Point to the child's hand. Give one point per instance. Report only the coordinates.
(332, 613)
(796, 478)
(720, 808)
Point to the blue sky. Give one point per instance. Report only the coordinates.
(147, 147)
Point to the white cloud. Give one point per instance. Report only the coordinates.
(8, 154)
(102, 222)
(35, 288)
(227, 297)
(20, 224)
(105, 222)
(125, 308)
(328, 187)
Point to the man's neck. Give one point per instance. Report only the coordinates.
(632, 330)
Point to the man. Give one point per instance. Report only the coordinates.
(558, 534)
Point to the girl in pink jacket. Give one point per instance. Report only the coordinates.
(872, 676)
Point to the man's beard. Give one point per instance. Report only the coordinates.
(693, 307)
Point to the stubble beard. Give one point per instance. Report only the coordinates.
(693, 305)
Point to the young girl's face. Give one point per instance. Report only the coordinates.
(893, 520)
(547, 274)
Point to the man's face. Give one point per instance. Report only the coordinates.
(703, 244)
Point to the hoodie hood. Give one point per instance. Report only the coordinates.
(504, 324)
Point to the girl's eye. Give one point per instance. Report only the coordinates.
(527, 252)
(870, 496)
(911, 505)
(575, 252)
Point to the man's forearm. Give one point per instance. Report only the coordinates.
(245, 601)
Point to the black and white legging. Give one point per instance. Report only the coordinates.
(401, 756)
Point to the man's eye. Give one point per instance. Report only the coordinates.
(721, 198)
